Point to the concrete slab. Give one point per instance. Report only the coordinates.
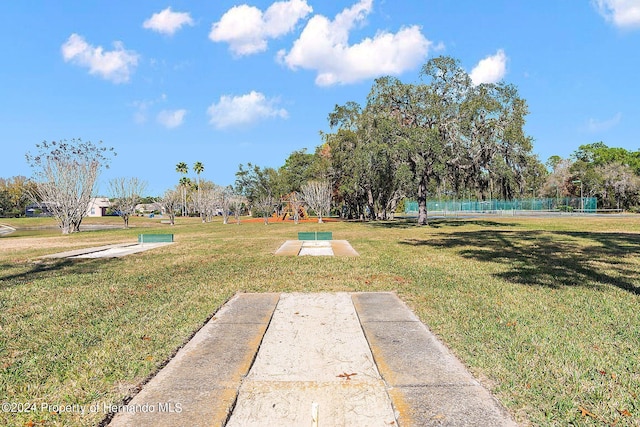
(292, 404)
(339, 359)
(451, 406)
(199, 386)
(76, 252)
(409, 355)
(429, 385)
(343, 248)
(381, 307)
(290, 248)
(316, 243)
(418, 358)
(107, 251)
(120, 251)
(314, 352)
(313, 337)
(248, 308)
(316, 248)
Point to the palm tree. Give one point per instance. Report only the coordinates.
(198, 168)
(183, 169)
(185, 182)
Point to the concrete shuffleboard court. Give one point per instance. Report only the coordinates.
(329, 359)
(316, 248)
(109, 251)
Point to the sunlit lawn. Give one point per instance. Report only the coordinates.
(545, 312)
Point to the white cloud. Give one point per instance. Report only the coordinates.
(622, 13)
(594, 125)
(491, 69)
(115, 65)
(144, 108)
(167, 21)
(171, 119)
(324, 47)
(247, 28)
(244, 109)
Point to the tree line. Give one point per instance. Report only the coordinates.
(442, 137)
(260, 192)
(611, 174)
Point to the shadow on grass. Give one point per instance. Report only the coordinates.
(16, 274)
(395, 223)
(552, 259)
(445, 222)
(439, 223)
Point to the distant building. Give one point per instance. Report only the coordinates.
(148, 208)
(98, 206)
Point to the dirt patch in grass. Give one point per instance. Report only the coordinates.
(287, 221)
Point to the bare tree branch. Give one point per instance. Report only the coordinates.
(66, 174)
(126, 193)
(317, 195)
(171, 201)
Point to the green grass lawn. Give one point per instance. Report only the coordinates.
(545, 312)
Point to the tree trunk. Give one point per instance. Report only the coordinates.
(184, 201)
(390, 213)
(371, 205)
(422, 203)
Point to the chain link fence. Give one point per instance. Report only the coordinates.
(566, 204)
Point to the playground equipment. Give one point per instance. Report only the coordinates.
(292, 202)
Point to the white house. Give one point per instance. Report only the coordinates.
(98, 206)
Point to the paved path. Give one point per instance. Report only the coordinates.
(360, 359)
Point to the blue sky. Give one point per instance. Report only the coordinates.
(225, 82)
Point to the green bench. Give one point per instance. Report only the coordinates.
(155, 238)
(315, 235)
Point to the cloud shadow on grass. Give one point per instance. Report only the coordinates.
(552, 259)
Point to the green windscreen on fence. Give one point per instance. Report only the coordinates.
(566, 204)
(315, 235)
(155, 238)
(324, 235)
